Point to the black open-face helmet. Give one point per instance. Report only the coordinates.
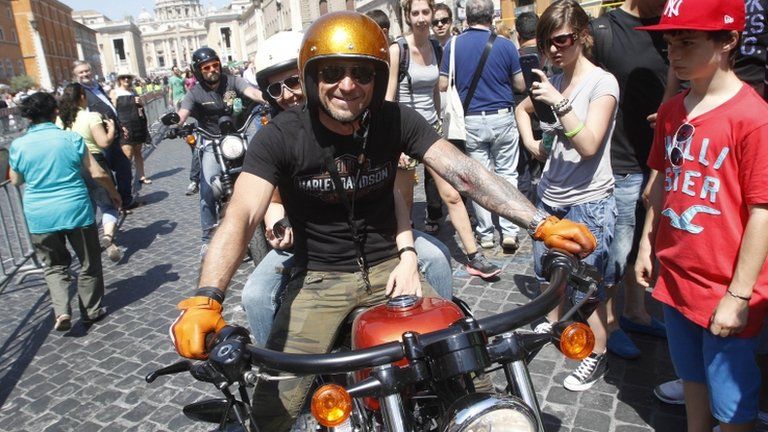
(199, 57)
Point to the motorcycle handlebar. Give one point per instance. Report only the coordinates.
(559, 268)
(194, 127)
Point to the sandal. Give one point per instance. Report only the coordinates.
(431, 226)
(145, 181)
(106, 241)
(63, 322)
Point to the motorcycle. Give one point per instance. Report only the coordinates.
(229, 147)
(414, 364)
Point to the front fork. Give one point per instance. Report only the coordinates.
(520, 383)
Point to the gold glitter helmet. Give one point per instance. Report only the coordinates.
(344, 35)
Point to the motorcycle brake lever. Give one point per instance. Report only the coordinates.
(585, 277)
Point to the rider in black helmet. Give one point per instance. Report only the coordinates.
(216, 94)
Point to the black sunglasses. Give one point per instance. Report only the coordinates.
(361, 74)
(442, 21)
(292, 83)
(681, 140)
(563, 40)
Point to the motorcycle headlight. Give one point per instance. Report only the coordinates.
(480, 412)
(232, 147)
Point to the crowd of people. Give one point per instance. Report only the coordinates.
(653, 170)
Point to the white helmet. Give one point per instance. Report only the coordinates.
(277, 53)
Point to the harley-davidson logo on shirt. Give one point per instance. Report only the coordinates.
(321, 185)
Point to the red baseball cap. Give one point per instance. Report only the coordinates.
(705, 15)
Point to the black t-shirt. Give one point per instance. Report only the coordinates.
(638, 60)
(288, 154)
(750, 63)
(207, 106)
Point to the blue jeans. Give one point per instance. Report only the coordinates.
(493, 141)
(264, 290)
(209, 213)
(629, 206)
(600, 217)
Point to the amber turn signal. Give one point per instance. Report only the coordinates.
(331, 405)
(577, 341)
(264, 120)
(191, 140)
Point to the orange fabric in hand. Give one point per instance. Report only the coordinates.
(199, 316)
(567, 235)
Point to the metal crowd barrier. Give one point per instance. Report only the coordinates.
(16, 250)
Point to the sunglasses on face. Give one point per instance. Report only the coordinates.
(682, 138)
(211, 66)
(442, 21)
(361, 74)
(291, 83)
(563, 40)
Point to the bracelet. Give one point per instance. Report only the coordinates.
(211, 292)
(538, 218)
(576, 131)
(563, 107)
(738, 296)
(407, 249)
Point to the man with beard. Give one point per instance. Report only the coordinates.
(212, 97)
(98, 101)
(334, 161)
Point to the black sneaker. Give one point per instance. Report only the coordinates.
(100, 314)
(586, 375)
(480, 266)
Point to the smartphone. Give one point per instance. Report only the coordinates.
(528, 62)
(278, 229)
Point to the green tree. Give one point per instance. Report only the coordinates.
(22, 82)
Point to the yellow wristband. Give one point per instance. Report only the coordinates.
(576, 131)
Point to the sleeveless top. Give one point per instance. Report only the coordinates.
(420, 95)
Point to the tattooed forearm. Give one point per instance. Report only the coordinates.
(472, 179)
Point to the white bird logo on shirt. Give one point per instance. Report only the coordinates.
(684, 221)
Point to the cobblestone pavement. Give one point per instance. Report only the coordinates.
(92, 379)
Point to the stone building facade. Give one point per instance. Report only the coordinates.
(11, 58)
(46, 38)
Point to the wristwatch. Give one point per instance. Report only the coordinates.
(538, 218)
(563, 107)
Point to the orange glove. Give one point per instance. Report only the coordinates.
(199, 316)
(567, 235)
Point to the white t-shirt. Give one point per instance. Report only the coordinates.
(567, 178)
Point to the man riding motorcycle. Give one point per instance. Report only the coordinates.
(214, 95)
(334, 162)
(277, 73)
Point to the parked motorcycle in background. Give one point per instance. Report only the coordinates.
(413, 364)
(229, 147)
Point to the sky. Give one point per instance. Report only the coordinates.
(116, 10)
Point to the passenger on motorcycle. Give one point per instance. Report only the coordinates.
(350, 247)
(277, 73)
(213, 96)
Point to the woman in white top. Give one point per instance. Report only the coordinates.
(418, 90)
(577, 182)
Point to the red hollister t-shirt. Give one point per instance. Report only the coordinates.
(705, 205)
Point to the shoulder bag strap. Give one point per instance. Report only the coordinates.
(478, 71)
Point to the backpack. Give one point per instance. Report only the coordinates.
(405, 58)
(600, 28)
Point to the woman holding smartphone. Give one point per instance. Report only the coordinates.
(577, 182)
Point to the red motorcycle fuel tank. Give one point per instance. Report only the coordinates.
(387, 322)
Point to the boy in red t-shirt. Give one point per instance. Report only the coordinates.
(708, 206)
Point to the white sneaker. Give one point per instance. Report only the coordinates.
(670, 392)
(544, 327)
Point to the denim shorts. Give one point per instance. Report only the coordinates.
(629, 225)
(726, 365)
(600, 217)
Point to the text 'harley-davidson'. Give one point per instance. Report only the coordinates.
(228, 148)
(415, 381)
